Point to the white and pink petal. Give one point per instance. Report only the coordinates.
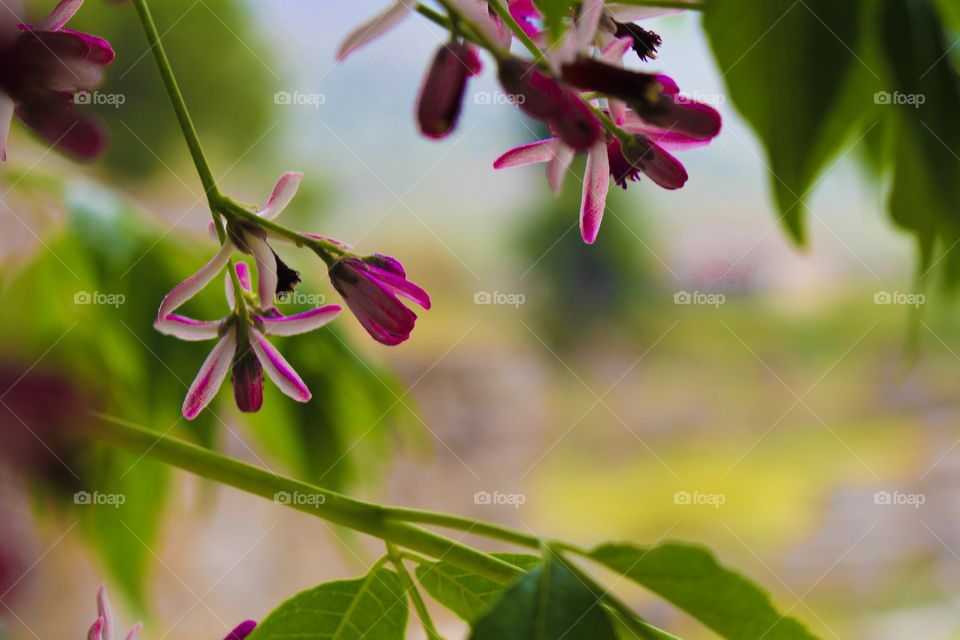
(283, 193)
(300, 322)
(195, 283)
(596, 184)
(277, 368)
(375, 27)
(210, 377)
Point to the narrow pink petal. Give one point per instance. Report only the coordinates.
(211, 375)
(242, 630)
(632, 13)
(195, 283)
(266, 270)
(283, 193)
(557, 167)
(300, 322)
(105, 612)
(187, 328)
(134, 633)
(530, 153)
(615, 51)
(243, 275)
(278, 369)
(668, 139)
(96, 630)
(477, 13)
(398, 284)
(375, 27)
(596, 183)
(588, 21)
(6, 116)
(60, 15)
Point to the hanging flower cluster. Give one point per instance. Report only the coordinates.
(369, 285)
(42, 68)
(625, 121)
(102, 628)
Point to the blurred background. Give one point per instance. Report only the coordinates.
(692, 376)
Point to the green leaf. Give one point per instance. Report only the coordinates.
(789, 66)
(373, 607)
(467, 594)
(550, 602)
(689, 577)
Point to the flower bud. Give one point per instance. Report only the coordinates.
(548, 100)
(247, 379)
(441, 95)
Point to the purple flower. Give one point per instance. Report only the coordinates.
(43, 68)
(242, 346)
(102, 627)
(441, 95)
(370, 287)
(654, 97)
(550, 101)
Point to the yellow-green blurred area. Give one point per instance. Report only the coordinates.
(692, 376)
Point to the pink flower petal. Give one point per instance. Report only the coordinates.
(60, 15)
(134, 633)
(266, 270)
(477, 14)
(211, 375)
(398, 284)
(668, 139)
(96, 630)
(557, 167)
(6, 116)
(243, 275)
(530, 153)
(277, 368)
(105, 612)
(596, 183)
(615, 51)
(72, 131)
(587, 22)
(632, 13)
(375, 27)
(187, 328)
(242, 630)
(300, 322)
(195, 283)
(283, 193)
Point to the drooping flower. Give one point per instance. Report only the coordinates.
(608, 159)
(550, 101)
(370, 287)
(44, 67)
(441, 95)
(102, 627)
(241, 345)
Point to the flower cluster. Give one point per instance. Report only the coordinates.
(625, 121)
(369, 285)
(42, 67)
(102, 627)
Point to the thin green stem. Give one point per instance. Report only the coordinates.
(396, 558)
(467, 525)
(365, 517)
(507, 18)
(327, 250)
(179, 105)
